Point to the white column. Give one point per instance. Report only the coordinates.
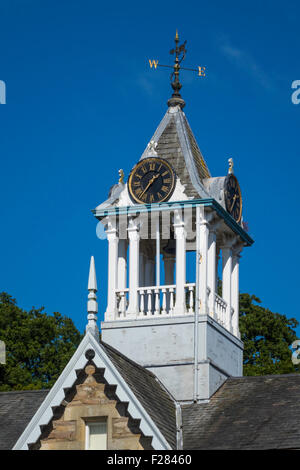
(218, 257)
(180, 236)
(134, 248)
(212, 266)
(113, 239)
(226, 280)
(235, 292)
(203, 269)
(122, 264)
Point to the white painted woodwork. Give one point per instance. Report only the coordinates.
(146, 296)
(212, 273)
(203, 270)
(134, 264)
(180, 237)
(226, 281)
(113, 240)
(92, 305)
(235, 293)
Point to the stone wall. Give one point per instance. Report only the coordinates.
(91, 400)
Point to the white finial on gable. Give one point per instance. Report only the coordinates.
(92, 305)
(151, 148)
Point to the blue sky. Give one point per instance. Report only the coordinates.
(82, 103)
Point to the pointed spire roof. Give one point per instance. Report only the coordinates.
(92, 284)
(177, 144)
(174, 141)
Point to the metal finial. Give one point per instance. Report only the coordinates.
(230, 169)
(121, 175)
(92, 305)
(179, 52)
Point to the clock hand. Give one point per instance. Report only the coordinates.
(149, 184)
(232, 205)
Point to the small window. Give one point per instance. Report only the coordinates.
(96, 436)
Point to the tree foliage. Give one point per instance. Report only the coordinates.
(38, 346)
(267, 338)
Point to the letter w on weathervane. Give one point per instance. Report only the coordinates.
(2, 92)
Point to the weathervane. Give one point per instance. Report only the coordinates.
(180, 52)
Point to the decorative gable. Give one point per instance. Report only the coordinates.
(90, 392)
(92, 400)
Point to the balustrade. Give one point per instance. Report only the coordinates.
(159, 301)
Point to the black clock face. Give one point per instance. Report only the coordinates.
(233, 197)
(152, 180)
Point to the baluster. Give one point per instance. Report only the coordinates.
(216, 309)
(164, 301)
(171, 300)
(157, 302)
(122, 304)
(142, 302)
(149, 292)
(224, 314)
(191, 299)
(118, 296)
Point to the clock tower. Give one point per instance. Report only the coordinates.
(172, 230)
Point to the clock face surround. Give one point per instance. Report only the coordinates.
(152, 180)
(233, 197)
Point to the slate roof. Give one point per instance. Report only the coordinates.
(177, 144)
(16, 410)
(247, 413)
(149, 391)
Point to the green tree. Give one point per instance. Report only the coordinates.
(38, 346)
(267, 338)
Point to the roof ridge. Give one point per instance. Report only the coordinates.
(294, 374)
(25, 391)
